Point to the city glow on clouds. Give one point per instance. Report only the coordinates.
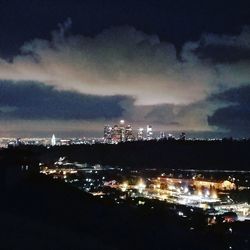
(126, 61)
(169, 90)
(44, 128)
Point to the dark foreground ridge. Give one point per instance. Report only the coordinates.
(41, 213)
(224, 154)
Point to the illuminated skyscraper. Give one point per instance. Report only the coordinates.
(129, 133)
(149, 132)
(116, 134)
(162, 135)
(107, 134)
(140, 134)
(53, 140)
(122, 130)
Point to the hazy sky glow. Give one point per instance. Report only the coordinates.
(72, 83)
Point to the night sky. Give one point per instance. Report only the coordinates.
(70, 67)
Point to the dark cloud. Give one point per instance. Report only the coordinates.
(224, 48)
(234, 117)
(236, 95)
(223, 54)
(28, 100)
(174, 21)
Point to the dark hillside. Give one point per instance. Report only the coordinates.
(161, 154)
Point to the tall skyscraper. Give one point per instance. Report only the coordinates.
(129, 133)
(122, 130)
(149, 132)
(107, 134)
(116, 134)
(140, 134)
(162, 135)
(53, 140)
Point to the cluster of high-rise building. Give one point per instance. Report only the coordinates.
(123, 132)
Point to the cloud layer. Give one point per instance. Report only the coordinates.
(125, 61)
(161, 87)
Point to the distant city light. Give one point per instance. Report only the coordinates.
(140, 185)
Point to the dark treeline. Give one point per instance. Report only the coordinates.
(151, 154)
(162, 154)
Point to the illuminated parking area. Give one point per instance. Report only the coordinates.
(191, 190)
(178, 192)
(182, 196)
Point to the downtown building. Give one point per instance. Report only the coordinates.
(123, 133)
(149, 132)
(118, 133)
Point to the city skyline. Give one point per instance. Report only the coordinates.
(166, 64)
